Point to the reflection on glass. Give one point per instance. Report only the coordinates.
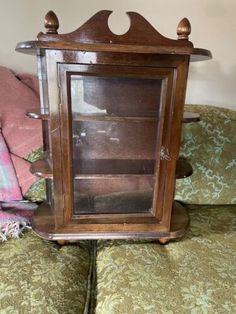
(77, 91)
(114, 131)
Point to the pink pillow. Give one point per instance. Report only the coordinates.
(9, 188)
(23, 135)
(19, 94)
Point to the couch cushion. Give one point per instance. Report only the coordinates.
(210, 146)
(194, 275)
(37, 191)
(39, 276)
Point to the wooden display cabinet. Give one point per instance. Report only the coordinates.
(112, 109)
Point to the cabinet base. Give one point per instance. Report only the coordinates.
(43, 225)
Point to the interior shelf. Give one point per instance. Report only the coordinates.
(110, 168)
(187, 117)
(79, 117)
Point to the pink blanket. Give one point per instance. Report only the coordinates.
(15, 217)
(19, 136)
(19, 94)
(9, 188)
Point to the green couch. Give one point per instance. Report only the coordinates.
(194, 275)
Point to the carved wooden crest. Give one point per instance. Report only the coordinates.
(96, 30)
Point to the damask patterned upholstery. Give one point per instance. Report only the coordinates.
(37, 192)
(40, 277)
(195, 275)
(210, 146)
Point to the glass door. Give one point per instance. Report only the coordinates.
(116, 129)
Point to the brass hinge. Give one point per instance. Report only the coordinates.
(164, 153)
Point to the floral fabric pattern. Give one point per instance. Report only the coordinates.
(210, 146)
(37, 191)
(195, 275)
(40, 277)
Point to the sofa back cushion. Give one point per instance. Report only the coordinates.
(210, 146)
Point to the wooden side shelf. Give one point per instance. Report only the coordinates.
(42, 168)
(183, 169)
(189, 117)
(44, 225)
(37, 115)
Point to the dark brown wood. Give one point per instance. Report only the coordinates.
(43, 225)
(112, 111)
(95, 35)
(42, 168)
(96, 30)
(183, 169)
(37, 48)
(179, 226)
(189, 117)
(199, 54)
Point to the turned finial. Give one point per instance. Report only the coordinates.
(51, 23)
(184, 29)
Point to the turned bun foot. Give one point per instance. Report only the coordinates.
(163, 240)
(62, 242)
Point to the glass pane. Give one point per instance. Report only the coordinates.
(49, 191)
(46, 138)
(114, 129)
